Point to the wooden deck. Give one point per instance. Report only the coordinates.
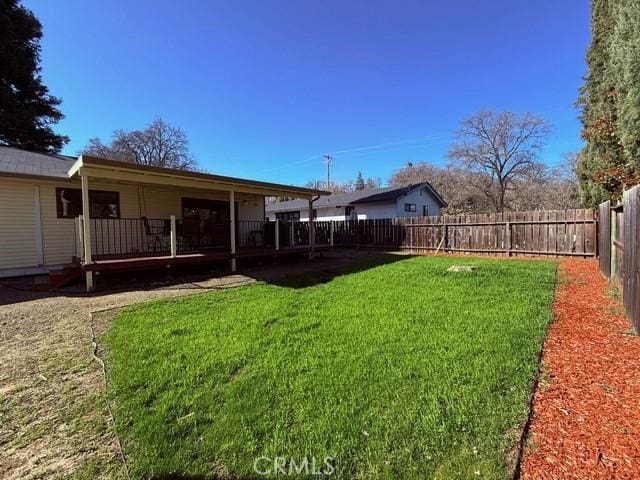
(148, 262)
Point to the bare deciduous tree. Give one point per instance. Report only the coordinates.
(159, 144)
(349, 186)
(499, 148)
(372, 183)
(540, 188)
(334, 187)
(547, 188)
(454, 184)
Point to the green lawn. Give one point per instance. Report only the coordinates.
(400, 370)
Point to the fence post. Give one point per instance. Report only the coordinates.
(446, 234)
(174, 238)
(507, 227)
(331, 232)
(613, 247)
(277, 235)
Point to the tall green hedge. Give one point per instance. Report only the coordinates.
(610, 102)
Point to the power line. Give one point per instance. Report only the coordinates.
(363, 150)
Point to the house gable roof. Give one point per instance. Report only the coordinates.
(16, 162)
(358, 197)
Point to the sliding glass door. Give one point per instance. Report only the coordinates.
(206, 223)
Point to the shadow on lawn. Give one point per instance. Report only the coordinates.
(324, 269)
(290, 272)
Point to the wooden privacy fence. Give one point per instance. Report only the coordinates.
(619, 236)
(555, 233)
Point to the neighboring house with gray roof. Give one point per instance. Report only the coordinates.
(416, 200)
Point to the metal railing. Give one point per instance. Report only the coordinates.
(129, 237)
(255, 234)
(193, 236)
(113, 238)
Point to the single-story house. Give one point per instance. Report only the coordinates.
(96, 214)
(416, 200)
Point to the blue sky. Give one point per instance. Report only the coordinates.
(263, 88)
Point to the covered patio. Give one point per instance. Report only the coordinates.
(135, 217)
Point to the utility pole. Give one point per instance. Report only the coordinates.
(328, 159)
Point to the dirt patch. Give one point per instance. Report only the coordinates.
(586, 420)
(52, 407)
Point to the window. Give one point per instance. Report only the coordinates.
(349, 212)
(409, 207)
(425, 210)
(288, 216)
(102, 204)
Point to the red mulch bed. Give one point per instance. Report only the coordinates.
(586, 414)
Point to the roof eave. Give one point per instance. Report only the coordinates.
(33, 176)
(86, 162)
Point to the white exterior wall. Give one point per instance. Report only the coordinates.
(19, 245)
(376, 210)
(420, 198)
(161, 202)
(364, 211)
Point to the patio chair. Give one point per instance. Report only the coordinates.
(156, 234)
(256, 238)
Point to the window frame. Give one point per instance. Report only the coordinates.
(289, 216)
(348, 211)
(410, 207)
(77, 211)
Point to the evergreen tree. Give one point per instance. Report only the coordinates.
(610, 102)
(626, 68)
(360, 185)
(27, 110)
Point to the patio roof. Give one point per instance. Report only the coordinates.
(128, 172)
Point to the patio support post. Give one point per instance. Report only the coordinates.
(232, 222)
(311, 228)
(277, 234)
(86, 228)
(291, 236)
(173, 236)
(79, 245)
